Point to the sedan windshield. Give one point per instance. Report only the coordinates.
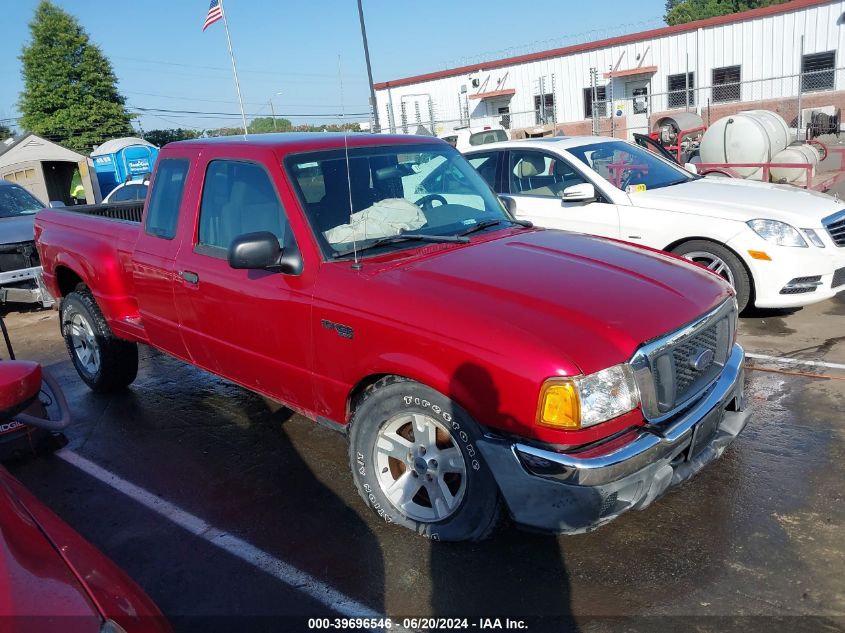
(357, 201)
(629, 167)
(15, 201)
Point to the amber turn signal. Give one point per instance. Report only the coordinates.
(760, 255)
(559, 406)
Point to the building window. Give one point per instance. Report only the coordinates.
(817, 71)
(681, 93)
(600, 99)
(544, 108)
(726, 86)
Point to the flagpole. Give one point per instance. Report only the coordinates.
(234, 67)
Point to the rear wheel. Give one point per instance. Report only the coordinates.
(721, 261)
(105, 362)
(415, 462)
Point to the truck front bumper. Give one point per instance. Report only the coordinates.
(562, 492)
(13, 287)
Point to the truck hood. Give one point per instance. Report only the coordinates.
(742, 200)
(589, 301)
(17, 229)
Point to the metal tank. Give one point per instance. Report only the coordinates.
(755, 136)
(804, 153)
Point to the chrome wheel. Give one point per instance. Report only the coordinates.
(714, 263)
(420, 469)
(84, 343)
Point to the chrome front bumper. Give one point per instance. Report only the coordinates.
(38, 294)
(567, 493)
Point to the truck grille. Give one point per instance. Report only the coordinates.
(673, 370)
(835, 225)
(18, 256)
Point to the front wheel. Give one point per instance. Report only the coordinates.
(721, 261)
(415, 462)
(105, 362)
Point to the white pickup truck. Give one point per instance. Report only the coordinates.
(779, 246)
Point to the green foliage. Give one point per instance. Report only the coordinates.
(163, 137)
(683, 11)
(70, 90)
(5, 132)
(264, 125)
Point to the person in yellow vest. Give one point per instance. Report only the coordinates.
(78, 193)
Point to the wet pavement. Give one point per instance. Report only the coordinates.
(755, 542)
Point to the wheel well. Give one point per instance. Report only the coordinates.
(67, 280)
(359, 390)
(678, 243)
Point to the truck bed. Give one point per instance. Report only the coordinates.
(131, 211)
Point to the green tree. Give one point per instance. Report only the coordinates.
(5, 132)
(70, 90)
(265, 124)
(683, 11)
(163, 137)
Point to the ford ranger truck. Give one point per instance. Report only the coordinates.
(480, 367)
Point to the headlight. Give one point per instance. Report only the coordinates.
(575, 403)
(813, 237)
(779, 233)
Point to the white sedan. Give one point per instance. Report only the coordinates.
(779, 246)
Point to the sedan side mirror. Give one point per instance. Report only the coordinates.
(57, 204)
(584, 192)
(691, 168)
(261, 251)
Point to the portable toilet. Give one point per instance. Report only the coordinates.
(122, 159)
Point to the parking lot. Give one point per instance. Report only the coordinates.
(220, 508)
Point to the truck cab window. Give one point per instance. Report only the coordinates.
(163, 212)
(237, 198)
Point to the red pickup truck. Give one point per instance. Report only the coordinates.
(479, 365)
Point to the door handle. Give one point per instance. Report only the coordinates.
(189, 277)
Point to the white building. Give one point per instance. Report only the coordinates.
(785, 57)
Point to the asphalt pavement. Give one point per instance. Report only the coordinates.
(233, 517)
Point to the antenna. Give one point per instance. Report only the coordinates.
(356, 264)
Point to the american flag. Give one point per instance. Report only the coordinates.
(215, 12)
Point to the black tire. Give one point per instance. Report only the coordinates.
(738, 271)
(477, 513)
(117, 360)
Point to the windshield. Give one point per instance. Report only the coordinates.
(629, 167)
(417, 189)
(15, 201)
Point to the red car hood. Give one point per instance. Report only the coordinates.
(587, 299)
(51, 579)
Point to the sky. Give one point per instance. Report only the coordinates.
(296, 53)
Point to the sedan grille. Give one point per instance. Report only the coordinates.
(838, 277)
(672, 371)
(835, 225)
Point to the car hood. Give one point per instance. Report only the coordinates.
(17, 229)
(742, 200)
(588, 301)
(34, 579)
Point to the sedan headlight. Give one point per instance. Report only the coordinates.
(575, 403)
(779, 233)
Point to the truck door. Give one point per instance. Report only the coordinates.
(537, 181)
(251, 326)
(155, 251)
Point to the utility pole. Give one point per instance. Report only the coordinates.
(373, 104)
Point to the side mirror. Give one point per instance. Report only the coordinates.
(57, 204)
(510, 204)
(691, 168)
(261, 251)
(585, 192)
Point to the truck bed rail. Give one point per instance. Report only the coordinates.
(130, 211)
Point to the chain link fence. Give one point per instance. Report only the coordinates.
(640, 109)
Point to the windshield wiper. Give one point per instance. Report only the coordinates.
(404, 237)
(488, 223)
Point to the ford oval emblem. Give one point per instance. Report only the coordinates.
(701, 360)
